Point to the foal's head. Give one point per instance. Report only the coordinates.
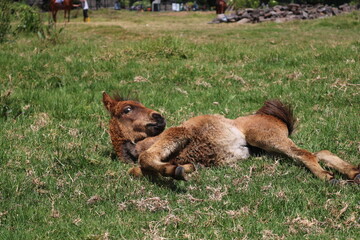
(132, 121)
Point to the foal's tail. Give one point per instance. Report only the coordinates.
(281, 111)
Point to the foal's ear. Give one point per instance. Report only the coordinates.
(109, 103)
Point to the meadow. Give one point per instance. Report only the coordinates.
(60, 179)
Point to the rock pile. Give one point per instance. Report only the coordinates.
(283, 13)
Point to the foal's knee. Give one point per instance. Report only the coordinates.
(145, 160)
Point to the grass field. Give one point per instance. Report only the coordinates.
(59, 178)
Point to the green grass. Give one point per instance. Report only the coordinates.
(55, 152)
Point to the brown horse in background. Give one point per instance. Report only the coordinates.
(220, 6)
(66, 5)
(137, 133)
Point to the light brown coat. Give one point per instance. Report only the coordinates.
(209, 140)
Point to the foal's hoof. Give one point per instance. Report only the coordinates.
(135, 172)
(180, 173)
(357, 179)
(334, 181)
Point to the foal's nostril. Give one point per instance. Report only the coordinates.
(157, 117)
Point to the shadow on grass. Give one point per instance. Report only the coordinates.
(162, 182)
(167, 183)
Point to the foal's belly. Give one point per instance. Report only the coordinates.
(215, 141)
(232, 145)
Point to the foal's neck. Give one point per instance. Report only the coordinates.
(127, 149)
(130, 151)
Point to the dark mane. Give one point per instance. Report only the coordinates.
(281, 111)
(121, 97)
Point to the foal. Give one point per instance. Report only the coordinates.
(210, 140)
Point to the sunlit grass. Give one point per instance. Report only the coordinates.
(59, 178)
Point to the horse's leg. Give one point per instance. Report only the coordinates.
(155, 158)
(333, 161)
(54, 15)
(140, 172)
(69, 15)
(274, 140)
(307, 158)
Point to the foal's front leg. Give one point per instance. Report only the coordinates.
(155, 159)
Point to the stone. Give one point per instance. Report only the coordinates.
(293, 6)
(255, 15)
(240, 12)
(277, 10)
(245, 15)
(273, 13)
(280, 20)
(345, 7)
(222, 18)
(244, 21)
(267, 15)
(305, 15)
(335, 11)
(283, 13)
(232, 17)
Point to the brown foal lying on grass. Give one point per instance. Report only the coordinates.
(138, 132)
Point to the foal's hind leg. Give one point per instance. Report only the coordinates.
(276, 142)
(307, 158)
(333, 161)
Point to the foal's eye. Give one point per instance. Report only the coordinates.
(127, 110)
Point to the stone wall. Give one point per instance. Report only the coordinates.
(283, 13)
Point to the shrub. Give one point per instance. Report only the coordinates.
(355, 2)
(28, 17)
(273, 3)
(4, 19)
(50, 33)
(142, 4)
(245, 3)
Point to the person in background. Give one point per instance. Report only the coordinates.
(117, 5)
(85, 6)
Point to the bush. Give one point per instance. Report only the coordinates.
(4, 19)
(246, 3)
(355, 2)
(273, 3)
(28, 17)
(50, 33)
(141, 5)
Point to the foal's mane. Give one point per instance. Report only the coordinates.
(123, 97)
(281, 111)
